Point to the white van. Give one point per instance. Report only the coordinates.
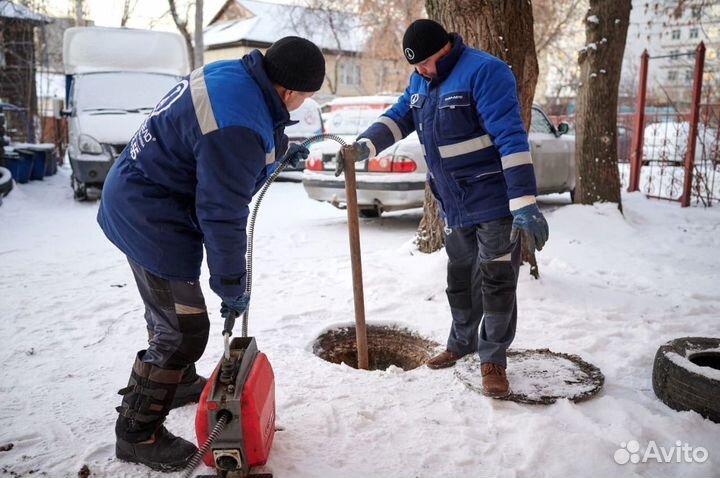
(114, 79)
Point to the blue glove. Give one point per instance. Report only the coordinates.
(363, 153)
(533, 225)
(294, 154)
(231, 309)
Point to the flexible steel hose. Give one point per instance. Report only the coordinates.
(253, 216)
(225, 416)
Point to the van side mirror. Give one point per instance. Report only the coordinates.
(66, 112)
(563, 128)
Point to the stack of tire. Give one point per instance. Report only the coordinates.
(6, 181)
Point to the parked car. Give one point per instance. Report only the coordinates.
(395, 179)
(309, 124)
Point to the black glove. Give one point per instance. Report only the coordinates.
(294, 154)
(231, 309)
(363, 153)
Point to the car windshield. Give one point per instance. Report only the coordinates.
(126, 91)
(351, 121)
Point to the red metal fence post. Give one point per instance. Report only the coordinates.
(637, 147)
(693, 127)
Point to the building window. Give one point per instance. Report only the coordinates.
(696, 12)
(688, 75)
(350, 74)
(676, 34)
(672, 75)
(694, 32)
(674, 55)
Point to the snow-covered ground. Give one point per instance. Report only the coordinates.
(612, 290)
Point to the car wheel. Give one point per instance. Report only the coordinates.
(686, 375)
(370, 213)
(6, 182)
(572, 195)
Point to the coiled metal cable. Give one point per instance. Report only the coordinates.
(223, 419)
(253, 216)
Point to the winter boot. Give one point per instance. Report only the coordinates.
(443, 360)
(189, 389)
(494, 380)
(141, 435)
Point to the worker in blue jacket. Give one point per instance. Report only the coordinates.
(185, 180)
(463, 104)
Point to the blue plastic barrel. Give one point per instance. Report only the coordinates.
(20, 165)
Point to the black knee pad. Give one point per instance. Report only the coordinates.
(499, 284)
(195, 329)
(459, 279)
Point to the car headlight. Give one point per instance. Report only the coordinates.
(89, 145)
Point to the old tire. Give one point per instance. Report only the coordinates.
(6, 182)
(686, 375)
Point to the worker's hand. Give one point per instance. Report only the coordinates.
(294, 154)
(361, 148)
(531, 222)
(231, 309)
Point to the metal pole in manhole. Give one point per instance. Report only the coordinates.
(349, 157)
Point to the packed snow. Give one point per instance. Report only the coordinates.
(613, 289)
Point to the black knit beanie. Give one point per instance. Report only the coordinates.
(296, 64)
(422, 39)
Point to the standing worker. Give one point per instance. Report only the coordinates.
(463, 104)
(186, 179)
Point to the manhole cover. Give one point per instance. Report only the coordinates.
(539, 376)
(387, 346)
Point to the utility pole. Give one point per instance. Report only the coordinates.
(199, 42)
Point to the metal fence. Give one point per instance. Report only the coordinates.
(670, 147)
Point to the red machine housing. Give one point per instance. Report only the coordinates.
(250, 398)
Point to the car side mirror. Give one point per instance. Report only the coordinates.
(563, 128)
(66, 112)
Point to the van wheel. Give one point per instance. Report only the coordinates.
(79, 189)
(370, 213)
(6, 182)
(686, 375)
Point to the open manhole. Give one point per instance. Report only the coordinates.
(387, 345)
(539, 377)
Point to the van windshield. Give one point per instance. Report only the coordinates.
(351, 121)
(121, 91)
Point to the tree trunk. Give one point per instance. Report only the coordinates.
(181, 25)
(600, 62)
(199, 43)
(503, 28)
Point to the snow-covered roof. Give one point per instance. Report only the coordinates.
(9, 9)
(272, 21)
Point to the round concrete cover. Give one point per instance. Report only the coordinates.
(539, 377)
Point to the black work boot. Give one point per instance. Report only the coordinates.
(189, 389)
(141, 436)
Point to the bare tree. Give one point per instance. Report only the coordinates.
(600, 61)
(321, 18)
(181, 22)
(504, 29)
(128, 8)
(551, 20)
